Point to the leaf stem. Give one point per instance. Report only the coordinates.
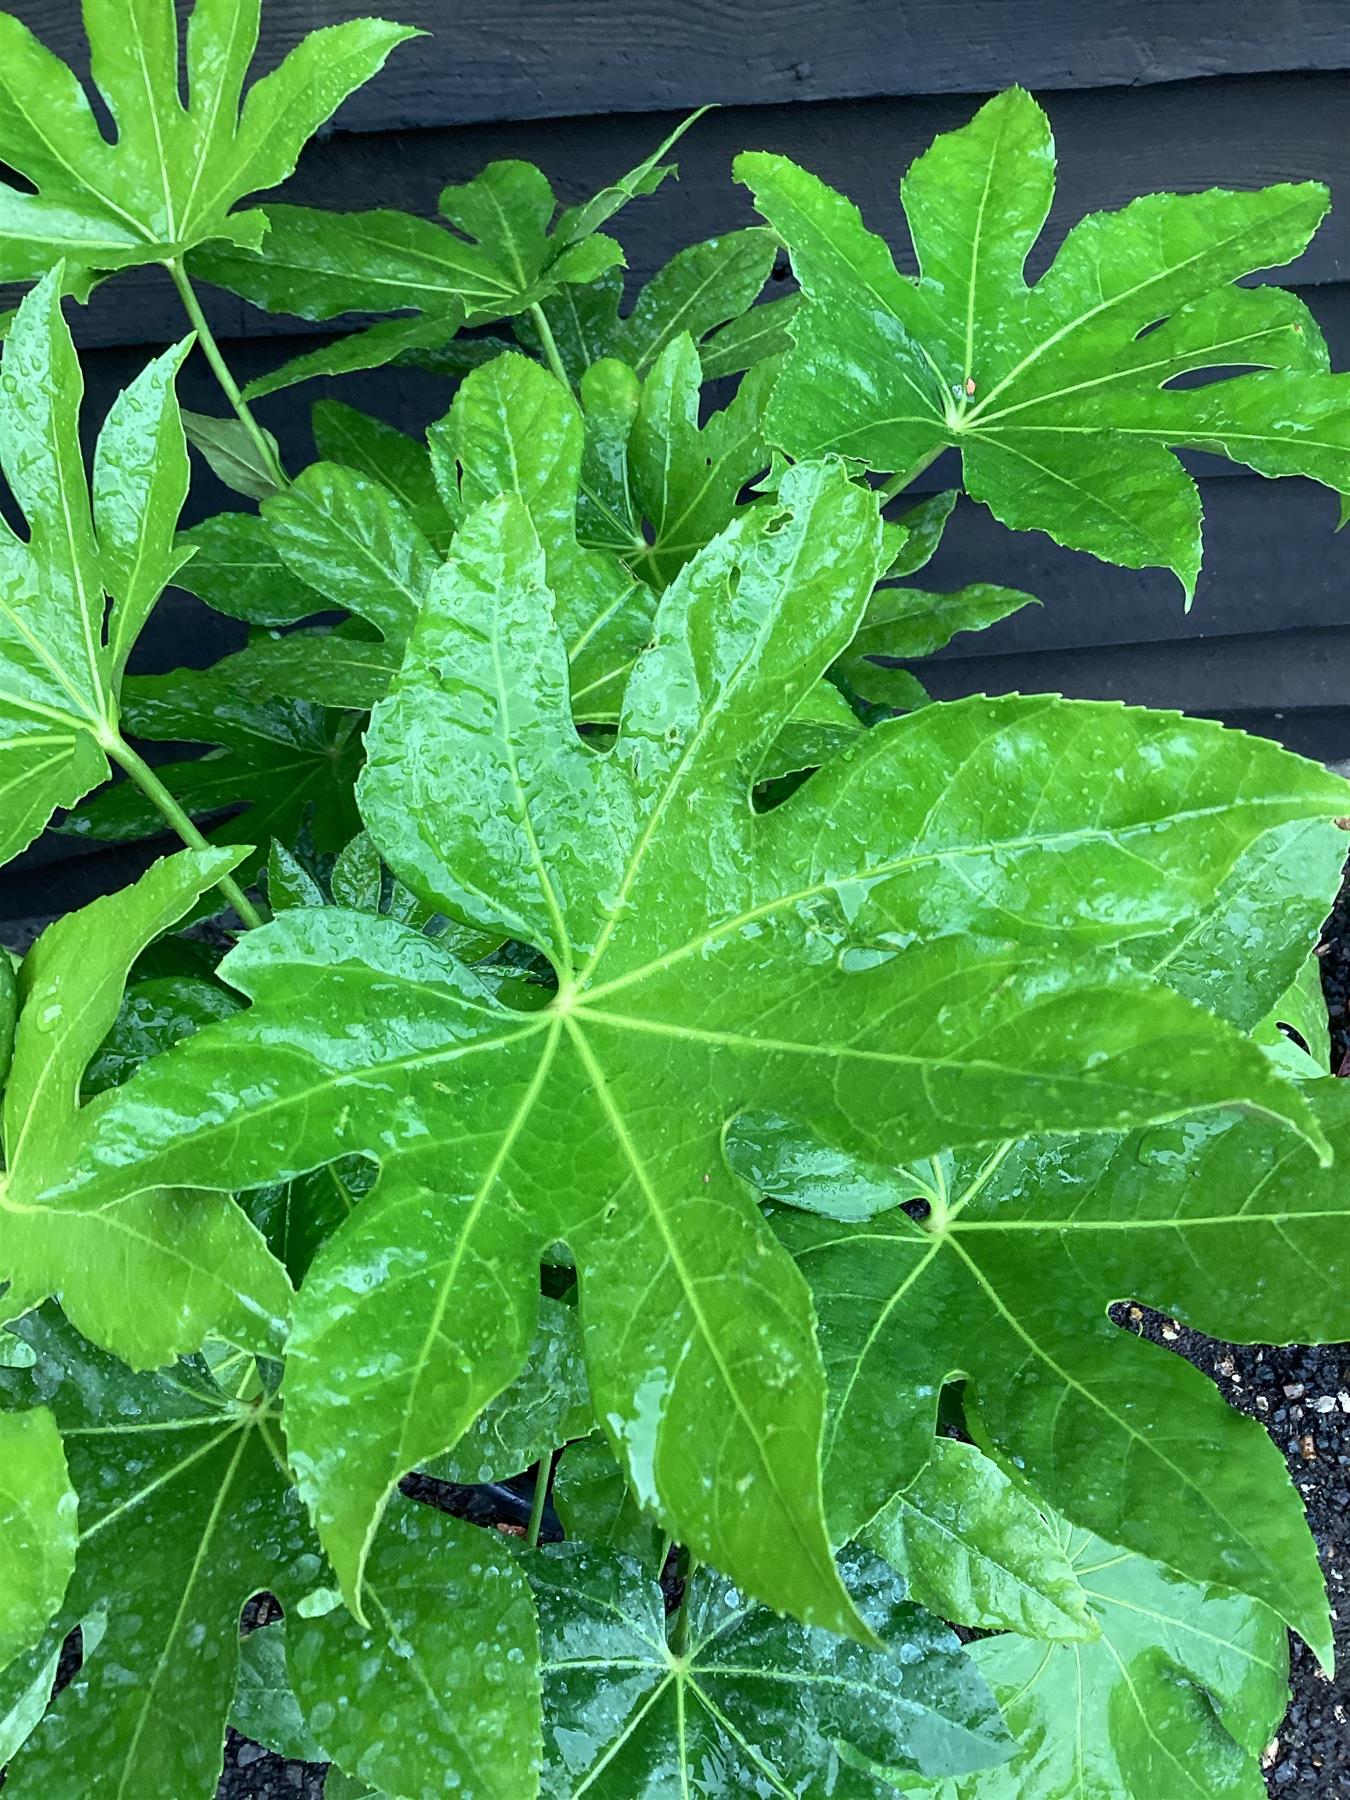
(159, 796)
(550, 343)
(679, 1637)
(898, 483)
(229, 386)
(543, 1474)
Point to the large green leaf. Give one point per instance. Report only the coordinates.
(153, 1277)
(1178, 1696)
(37, 1528)
(595, 1502)
(503, 248)
(441, 1693)
(751, 1704)
(189, 145)
(183, 1516)
(1059, 396)
(1007, 1282)
(61, 662)
(847, 958)
(973, 1548)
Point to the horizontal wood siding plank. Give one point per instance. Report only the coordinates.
(1241, 132)
(1274, 672)
(535, 59)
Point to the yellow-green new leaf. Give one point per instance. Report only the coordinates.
(1059, 397)
(189, 144)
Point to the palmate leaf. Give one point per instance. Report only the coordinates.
(848, 958)
(1179, 1693)
(1024, 1251)
(752, 1704)
(505, 247)
(1008, 1285)
(972, 1547)
(702, 287)
(1058, 395)
(657, 485)
(186, 1511)
(178, 166)
(152, 1279)
(37, 1528)
(279, 766)
(61, 662)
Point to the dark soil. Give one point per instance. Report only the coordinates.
(1301, 1396)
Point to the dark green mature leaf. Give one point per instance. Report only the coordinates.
(1058, 395)
(593, 1498)
(751, 339)
(37, 1528)
(545, 1406)
(754, 1704)
(9, 1012)
(184, 1514)
(973, 1548)
(847, 957)
(185, 153)
(289, 764)
(657, 486)
(702, 287)
(154, 1014)
(1008, 1282)
(1179, 1695)
(504, 252)
(342, 434)
(154, 1276)
(441, 1693)
(61, 663)
(235, 568)
(265, 1707)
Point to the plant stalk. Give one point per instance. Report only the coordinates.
(898, 483)
(679, 1637)
(229, 386)
(550, 343)
(543, 1475)
(159, 796)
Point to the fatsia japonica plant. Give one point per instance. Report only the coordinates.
(658, 1057)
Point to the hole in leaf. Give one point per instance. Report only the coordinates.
(917, 1209)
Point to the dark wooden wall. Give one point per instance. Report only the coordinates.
(1142, 94)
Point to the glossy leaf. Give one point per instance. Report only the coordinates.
(1009, 1285)
(503, 248)
(150, 1276)
(235, 568)
(903, 624)
(154, 1014)
(657, 485)
(1179, 1695)
(1060, 399)
(750, 339)
(593, 1498)
(60, 662)
(342, 434)
(37, 1528)
(710, 960)
(184, 1515)
(545, 1406)
(280, 766)
(265, 1707)
(973, 1548)
(179, 163)
(702, 287)
(440, 1693)
(754, 1703)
